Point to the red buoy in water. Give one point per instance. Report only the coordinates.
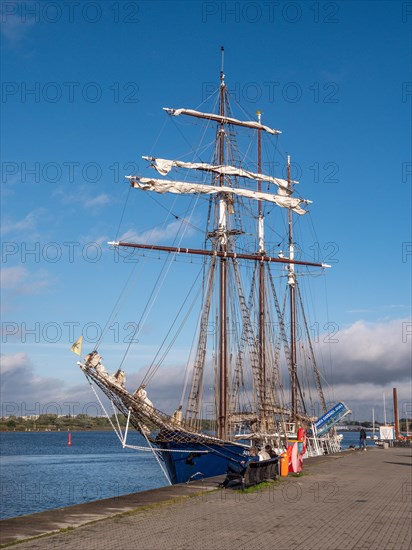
(69, 439)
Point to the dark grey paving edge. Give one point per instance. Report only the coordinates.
(33, 525)
(22, 528)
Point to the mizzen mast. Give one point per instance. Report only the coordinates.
(292, 283)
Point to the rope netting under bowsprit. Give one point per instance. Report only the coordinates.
(145, 418)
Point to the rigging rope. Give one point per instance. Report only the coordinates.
(154, 368)
(154, 453)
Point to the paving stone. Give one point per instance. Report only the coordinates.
(354, 500)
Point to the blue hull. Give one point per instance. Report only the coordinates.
(196, 464)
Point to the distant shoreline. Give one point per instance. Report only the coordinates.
(63, 430)
(103, 429)
(54, 423)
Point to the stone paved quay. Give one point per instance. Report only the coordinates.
(354, 500)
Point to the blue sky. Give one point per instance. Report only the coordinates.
(82, 97)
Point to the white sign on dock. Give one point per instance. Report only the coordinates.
(386, 432)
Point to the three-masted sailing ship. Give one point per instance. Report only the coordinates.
(259, 357)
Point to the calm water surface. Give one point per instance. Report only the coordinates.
(39, 471)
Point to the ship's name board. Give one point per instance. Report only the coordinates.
(333, 414)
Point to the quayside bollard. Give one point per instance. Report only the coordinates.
(284, 465)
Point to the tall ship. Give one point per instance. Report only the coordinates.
(252, 377)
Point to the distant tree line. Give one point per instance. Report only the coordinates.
(53, 422)
(369, 425)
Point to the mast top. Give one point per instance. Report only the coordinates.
(222, 74)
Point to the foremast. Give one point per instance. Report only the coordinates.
(223, 243)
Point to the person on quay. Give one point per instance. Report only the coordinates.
(362, 439)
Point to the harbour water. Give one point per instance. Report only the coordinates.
(40, 471)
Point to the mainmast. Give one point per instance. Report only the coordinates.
(222, 232)
(261, 252)
(291, 283)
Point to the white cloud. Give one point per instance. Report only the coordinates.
(82, 197)
(364, 397)
(14, 26)
(165, 389)
(23, 391)
(20, 382)
(12, 363)
(157, 234)
(100, 240)
(100, 200)
(375, 353)
(28, 223)
(369, 359)
(19, 280)
(12, 276)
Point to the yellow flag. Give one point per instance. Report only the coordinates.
(77, 346)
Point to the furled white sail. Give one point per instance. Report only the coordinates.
(184, 188)
(222, 119)
(163, 166)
